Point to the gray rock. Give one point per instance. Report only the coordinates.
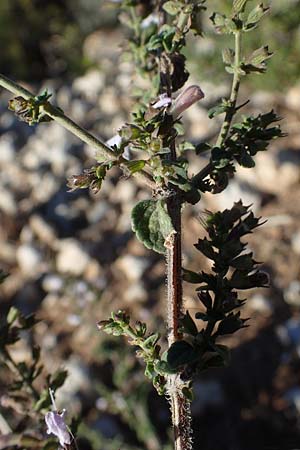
(260, 303)
(133, 266)
(7, 202)
(89, 85)
(136, 293)
(29, 259)
(7, 149)
(52, 283)
(295, 241)
(292, 293)
(71, 257)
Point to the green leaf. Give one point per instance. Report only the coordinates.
(12, 315)
(231, 324)
(189, 325)
(255, 16)
(188, 393)
(150, 341)
(218, 109)
(3, 276)
(58, 379)
(162, 367)
(152, 224)
(228, 56)
(172, 7)
(239, 6)
(134, 166)
(191, 277)
(181, 353)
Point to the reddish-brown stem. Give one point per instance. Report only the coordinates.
(180, 406)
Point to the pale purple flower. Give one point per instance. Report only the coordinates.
(115, 140)
(56, 424)
(187, 98)
(149, 20)
(163, 102)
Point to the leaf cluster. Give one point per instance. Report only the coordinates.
(233, 269)
(31, 110)
(245, 139)
(147, 345)
(22, 393)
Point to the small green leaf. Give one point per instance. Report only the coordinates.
(255, 16)
(188, 393)
(135, 166)
(189, 325)
(239, 6)
(172, 7)
(218, 109)
(13, 314)
(58, 379)
(162, 367)
(152, 224)
(181, 353)
(228, 56)
(150, 341)
(191, 277)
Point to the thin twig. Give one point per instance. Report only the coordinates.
(230, 111)
(57, 115)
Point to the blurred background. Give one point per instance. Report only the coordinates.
(73, 258)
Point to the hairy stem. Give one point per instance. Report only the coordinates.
(57, 115)
(180, 406)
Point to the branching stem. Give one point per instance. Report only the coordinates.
(57, 115)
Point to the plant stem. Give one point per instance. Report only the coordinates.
(234, 91)
(180, 406)
(230, 112)
(57, 115)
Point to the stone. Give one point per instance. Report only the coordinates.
(89, 85)
(52, 283)
(295, 241)
(133, 266)
(292, 293)
(7, 202)
(260, 303)
(71, 257)
(292, 97)
(29, 259)
(135, 293)
(44, 232)
(7, 149)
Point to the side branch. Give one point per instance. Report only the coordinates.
(57, 115)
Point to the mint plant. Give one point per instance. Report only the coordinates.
(152, 149)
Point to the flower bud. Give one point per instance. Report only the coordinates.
(187, 98)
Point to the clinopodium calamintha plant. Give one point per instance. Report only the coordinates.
(152, 149)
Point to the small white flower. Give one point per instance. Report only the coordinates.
(164, 101)
(56, 424)
(149, 20)
(115, 140)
